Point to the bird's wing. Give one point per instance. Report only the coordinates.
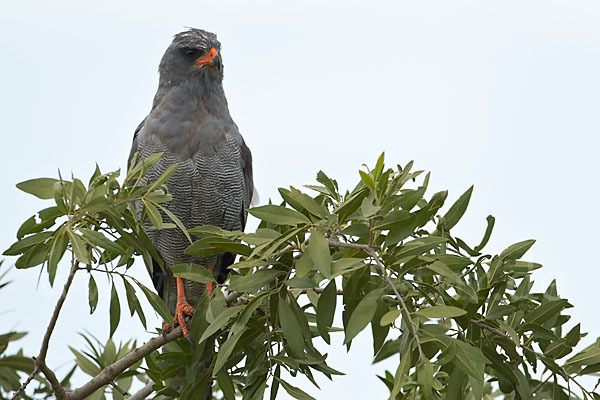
(156, 272)
(134, 145)
(248, 181)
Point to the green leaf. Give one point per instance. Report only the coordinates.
(140, 166)
(227, 348)
(517, 250)
(193, 272)
(92, 294)
(379, 165)
(33, 256)
(176, 220)
(390, 317)
(304, 201)
(11, 337)
(23, 244)
(294, 391)
(19, 363)
(318, 249)
(469, 359)
(226, 385)
(279, 215)
(98, 239)
(367, 179)
(220, 321)
(154, 215)
(326, 310)
(546, 311)
(419, 246)
(261, 236)
(401, 372)
(115, 310)
(42, 188)
(367, 208)
(441, 311)
(133, 302)
(253, 282)
(163, 178)
(525, 266)
(291, 327)
(301, 282)
(31, 226)
(78, 245)
(275, 383)
(458, 209)
(330, 184)
(488, 233)
(157, 303)
(588, 356)
(85, 364)
(345, 265)
(442, 269)
(394, 220)
(425, 379)
(57, 250)
(230, 246)
(362, 314)
(304, 265)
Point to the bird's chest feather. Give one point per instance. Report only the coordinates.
(207, 186)
(189, 134)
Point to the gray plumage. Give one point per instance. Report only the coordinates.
(190, 123)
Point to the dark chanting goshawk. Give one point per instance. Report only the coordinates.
(190, 124)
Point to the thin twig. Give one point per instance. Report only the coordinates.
(32, 375)
(541, 384)
(405, 312)
(40, 360)
(143, 392)
(118, 388)
(369, 250)
(340, 292)
(357, 246)
(44, 348)
(497, 332)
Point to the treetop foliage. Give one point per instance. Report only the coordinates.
(460, 323)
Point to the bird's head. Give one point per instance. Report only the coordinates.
(194, 53)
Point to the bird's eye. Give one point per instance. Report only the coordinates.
(191, 53)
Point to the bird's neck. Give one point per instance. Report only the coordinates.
(203, 94)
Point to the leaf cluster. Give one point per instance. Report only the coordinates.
(460, 322)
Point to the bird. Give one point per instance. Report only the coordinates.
(191, 126)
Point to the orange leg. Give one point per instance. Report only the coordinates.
(182, 310)
(209, 284)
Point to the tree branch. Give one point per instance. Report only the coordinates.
(357, 246)
(233, 296)
(340, 292)
(108, 374)
(143, 392)
(59, 391)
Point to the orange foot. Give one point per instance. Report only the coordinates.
(182, 310)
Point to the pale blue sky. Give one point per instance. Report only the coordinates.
(503, 95)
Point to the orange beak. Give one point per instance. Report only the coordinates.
(208, 58)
